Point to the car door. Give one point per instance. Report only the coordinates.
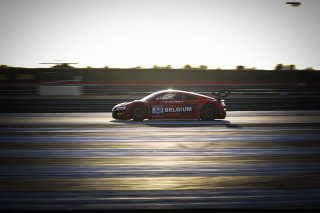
(188, 105)
(164, 106)
(174, 105)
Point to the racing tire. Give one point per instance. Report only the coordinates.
(208, 112)
(138, 113)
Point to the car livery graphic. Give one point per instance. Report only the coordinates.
(173, 104)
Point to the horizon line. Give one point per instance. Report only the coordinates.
(278, 66)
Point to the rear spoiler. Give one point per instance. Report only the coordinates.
(221, 94)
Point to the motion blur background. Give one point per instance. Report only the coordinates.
(65, 64)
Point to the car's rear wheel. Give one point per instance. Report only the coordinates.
(208, 112)
(138, 113)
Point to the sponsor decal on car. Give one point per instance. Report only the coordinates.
(172, 102)
(157, 111)
(178, 109)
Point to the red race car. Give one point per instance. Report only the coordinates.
(173, 104)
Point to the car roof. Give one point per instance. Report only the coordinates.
(180, 91)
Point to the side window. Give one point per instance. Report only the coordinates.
(188, 97)
(177, 97)
(166, 97)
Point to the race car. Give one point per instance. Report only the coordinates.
(173, 104)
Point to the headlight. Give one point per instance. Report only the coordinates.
(119, 108)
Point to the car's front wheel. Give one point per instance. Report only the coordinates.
(208, 112)
(138, 113)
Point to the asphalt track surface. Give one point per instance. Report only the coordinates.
(88, 161)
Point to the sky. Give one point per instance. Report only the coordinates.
(131, 33)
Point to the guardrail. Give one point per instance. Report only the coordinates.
(105, 105)
(101, 98)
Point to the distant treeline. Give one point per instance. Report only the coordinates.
(67, 75)
(169, 67)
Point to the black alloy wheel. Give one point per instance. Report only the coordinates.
(138, 113)
(208, 112)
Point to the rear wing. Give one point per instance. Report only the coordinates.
(221, 94)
